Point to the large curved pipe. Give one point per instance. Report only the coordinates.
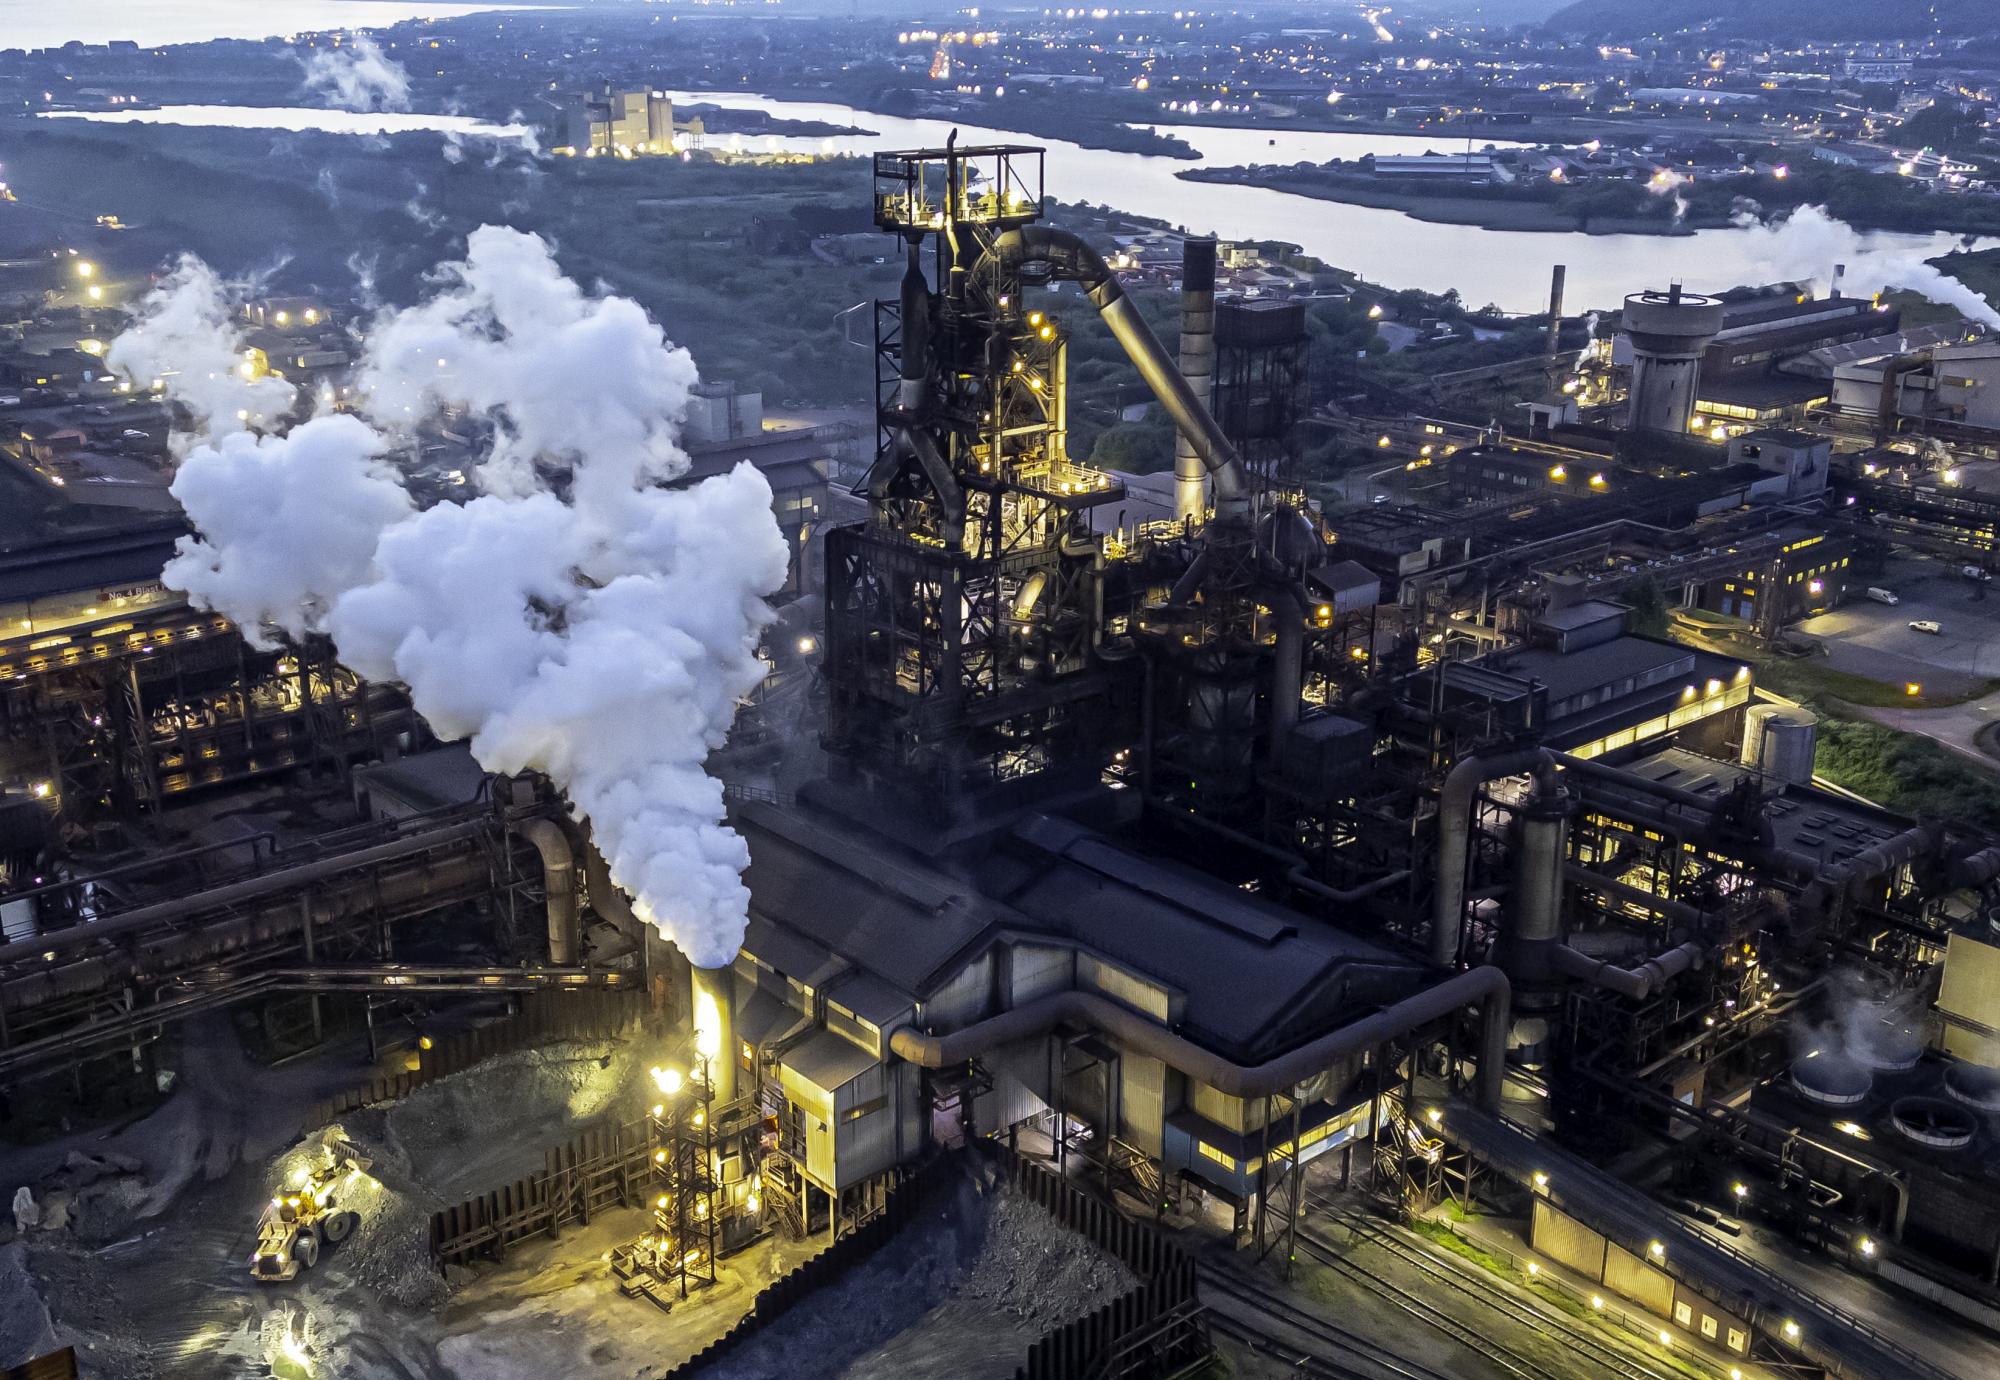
(1484, 987)
(1072, 259)
(1884, 858)
(1638, 983)
(558, 885)
(1461, 783)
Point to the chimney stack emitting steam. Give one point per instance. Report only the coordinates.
(604, 639)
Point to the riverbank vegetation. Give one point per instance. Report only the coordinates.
(1865, 200)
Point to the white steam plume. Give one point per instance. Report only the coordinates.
(358, 75)
(1805, 245)
(1668, 182)
(604, 637)
(186, 334)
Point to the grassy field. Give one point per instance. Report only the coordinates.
(1813, 679)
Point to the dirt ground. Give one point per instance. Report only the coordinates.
(170, 1294)
(164, 1291)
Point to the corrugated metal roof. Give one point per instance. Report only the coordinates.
(827, 1060)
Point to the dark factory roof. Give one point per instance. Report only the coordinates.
(1249, 978)
(1249, 972)
(820, 892)
(1565, 674)
(129, 548)
(1804, 819)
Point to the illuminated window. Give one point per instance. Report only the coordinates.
(1684, 1314)
(1708, 1327)
(1737, 1341)
(1209, 1152)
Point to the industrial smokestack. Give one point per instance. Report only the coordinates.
(1197, 365)
(1668, 330)
(1556, 310)
(714, 991)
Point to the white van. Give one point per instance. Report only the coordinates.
(1883, 596)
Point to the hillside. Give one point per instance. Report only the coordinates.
(1821, 19)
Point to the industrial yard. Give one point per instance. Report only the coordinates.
(519, 858)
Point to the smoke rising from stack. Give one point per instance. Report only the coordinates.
(574, 618)
(358, 75)
(1805, 246)
(185, 333)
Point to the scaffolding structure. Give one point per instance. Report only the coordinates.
(1262, 382)
(963, 615)
(681, 1252)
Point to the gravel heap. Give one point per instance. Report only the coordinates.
(967, 1287)
(1032, 1270)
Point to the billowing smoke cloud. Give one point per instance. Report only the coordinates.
(358, 75)
(603, 634)
(185, 335)
(1805, 246)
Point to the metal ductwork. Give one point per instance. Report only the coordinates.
(1197, 365)
(558, 885)
(1455, 798)
(257, 911)
(1637, 983)
(1068, 257)
(1534, 922)
(1484, 987)
(1593, 770)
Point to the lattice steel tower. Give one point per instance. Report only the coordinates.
(963, 617)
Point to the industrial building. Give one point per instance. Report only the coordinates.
(625, 122)
(1186, 841)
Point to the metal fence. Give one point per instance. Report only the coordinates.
(57, 1365)
(582, 1014)
(606, 1167)
(1156, 1328)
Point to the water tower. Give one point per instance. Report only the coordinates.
(1668, 331)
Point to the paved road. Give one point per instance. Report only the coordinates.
(1877, 641)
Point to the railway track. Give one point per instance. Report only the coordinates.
(1277, 1327)
(1582, 1340)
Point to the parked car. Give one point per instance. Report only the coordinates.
(1926, 625)
(1884, 596)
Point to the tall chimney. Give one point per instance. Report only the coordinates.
(1556, 310)
(714, 992)
(1197, 365)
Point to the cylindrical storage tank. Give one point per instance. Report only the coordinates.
(1668, 330)
(1831, 1080)
(1536, 920)
(1780, 741)
(715, 1028)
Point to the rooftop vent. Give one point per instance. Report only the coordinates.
(1934, 1122)
(1974, 1086)
(1891, 1048)
(1831, 1080)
